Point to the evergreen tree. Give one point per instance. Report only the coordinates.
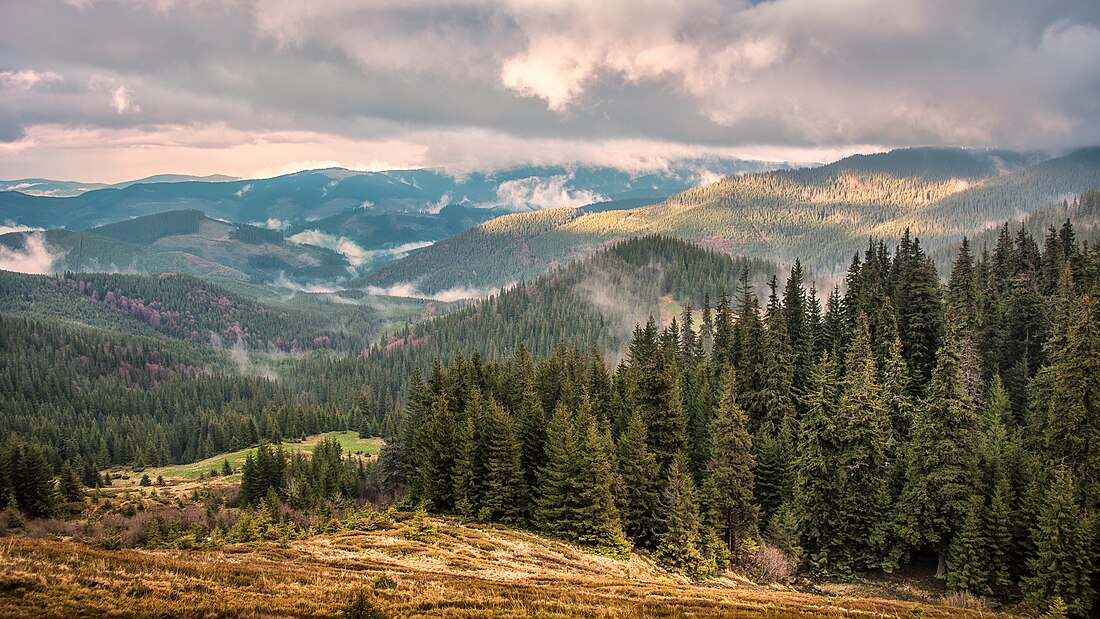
(640, 478)
(862, 455)
(1063, 563)
(558, 488)
(439, 455)
(505, 491)
(597, 518)
(943, 457)
(817, 466)
(682, 546)
(728, 488)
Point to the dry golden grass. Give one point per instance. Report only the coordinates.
(466, 571)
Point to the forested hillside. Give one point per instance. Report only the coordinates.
(818, 215)
(592, 304)
(907, 419)
(501, 251)
(186, 308)
(896, 422)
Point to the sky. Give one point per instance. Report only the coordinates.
(111, 90)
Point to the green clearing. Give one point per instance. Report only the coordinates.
(349, 443)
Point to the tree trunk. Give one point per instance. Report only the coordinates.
(941, 565)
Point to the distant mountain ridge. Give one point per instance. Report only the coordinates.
(821, 214)
(68, 189)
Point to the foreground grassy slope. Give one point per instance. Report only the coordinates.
(457, 571)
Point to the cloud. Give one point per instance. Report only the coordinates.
(122, 99)
(277, 86)
(26, 78)
(35, 257)
(457, 293)
(535, 193)
(243, 190)
(356, 255)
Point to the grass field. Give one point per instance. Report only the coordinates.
(461, 571)
(349, 443)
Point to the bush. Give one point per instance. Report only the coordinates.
(420, 530)
(964, 600)
(361, 608)
(384, 582)
(770, 564)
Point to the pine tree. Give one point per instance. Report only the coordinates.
(728, 488)
(1071, 417)
(863, 447)
(943, 457)
(504, 497)
(682, 545)
(554, 513)
(639, 474)
(1063, 564)
(966, 558)
(917, 304)
(597, 518)
(68, 484)
(439, 461)
(531, 433)
(817, 467)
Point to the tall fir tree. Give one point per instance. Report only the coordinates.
(728, 489)
(1063, 564)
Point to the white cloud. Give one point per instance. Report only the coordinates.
(27, 78)
(123, 102)
(457, 293)
(261, 88)
(356, 255)
(35, 258)
(535, 193)
(243, 190)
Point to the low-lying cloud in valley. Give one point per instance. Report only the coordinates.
(35, 257)
(457, 293)
(355, 254)
(537, 193)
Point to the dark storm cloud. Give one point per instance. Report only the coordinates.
(796, 74)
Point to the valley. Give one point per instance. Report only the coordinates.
(633, 407)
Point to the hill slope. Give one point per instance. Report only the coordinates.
(464, 571)
(187, 242)
(822, 214)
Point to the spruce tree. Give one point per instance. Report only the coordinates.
(682, 546)
(554, 511)
(597, 517)
(640, 481)
(942, 458)
(504, 497)
(439, 455)
(863, 447)
(1063, 562)
(817, 466)
(728, 488)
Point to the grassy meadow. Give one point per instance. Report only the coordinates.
(446, 569)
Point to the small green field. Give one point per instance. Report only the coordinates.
(349, 443)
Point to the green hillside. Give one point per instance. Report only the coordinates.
(186, 308)
(821, 215)
(591, 304)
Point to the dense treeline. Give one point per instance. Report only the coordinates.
(94, 400)
(149, 229)
(594, 302)
(255, 235)
(185, 308)
(903, 419)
